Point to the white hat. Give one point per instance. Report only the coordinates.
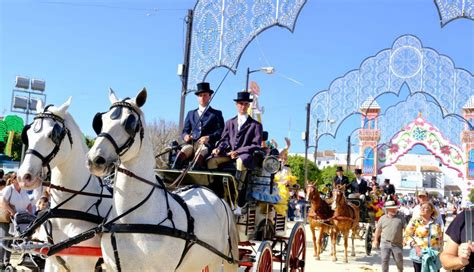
(301, 194)
(391, 204)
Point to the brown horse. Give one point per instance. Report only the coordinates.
(346, 218)
(320, 217)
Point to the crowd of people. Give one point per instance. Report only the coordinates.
(417, 221)
(16, 202)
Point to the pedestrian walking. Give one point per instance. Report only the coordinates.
(389, 235)
(425, 237)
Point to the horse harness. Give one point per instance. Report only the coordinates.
(111, 227)
(132, 125)
(56, 135)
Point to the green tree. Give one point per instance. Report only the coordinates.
(89, 141)
(16, 147)
(296, 164)
(471, 196)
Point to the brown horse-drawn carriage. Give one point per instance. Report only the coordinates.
(334, 217)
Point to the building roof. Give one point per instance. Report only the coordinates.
(401, 167)
(326, 153)
(430, 168)
(453, 188)
(369, 104)
(470, 103)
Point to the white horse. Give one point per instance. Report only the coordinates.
(122, 140)
(54, 129)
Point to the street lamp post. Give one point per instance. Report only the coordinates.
(266, 70)
(27, 104)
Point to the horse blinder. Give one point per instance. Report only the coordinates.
(97, 123)
(57, 134)
(24, 134)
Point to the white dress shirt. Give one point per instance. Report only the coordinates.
(241, 120)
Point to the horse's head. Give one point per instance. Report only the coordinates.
(120, 133)
(312, 193)
(49, 143)
(338, 196)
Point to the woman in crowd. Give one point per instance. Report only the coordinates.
(4, 227)
(16, 200)
(459, 250)
(423, 234)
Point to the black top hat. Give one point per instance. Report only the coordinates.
(387, 180)
(203, 87)
(374, 178)
(243, 97)
(339, 168)
(358, 171)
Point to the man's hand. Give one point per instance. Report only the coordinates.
(376, 244)
(188, 138)
(233, 155)
(204, 140)
(216, 151)
(464, 252)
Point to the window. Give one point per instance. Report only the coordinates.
(368, 163)
(470, 167)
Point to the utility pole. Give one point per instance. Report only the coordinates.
(184, 75)
(306, 146)
(348, 152)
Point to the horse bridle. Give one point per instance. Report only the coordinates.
(131, 126)
(57, 136)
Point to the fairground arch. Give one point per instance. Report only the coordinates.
(423, 70)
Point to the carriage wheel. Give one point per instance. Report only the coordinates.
(368, 240)
(296, 250)
(325, 241)
(264, 258)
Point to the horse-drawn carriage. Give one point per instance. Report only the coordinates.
(259, 221)
(189, 230)
(334, 216)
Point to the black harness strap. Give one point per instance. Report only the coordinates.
(113, 241)
(167, 231)
(190, 227)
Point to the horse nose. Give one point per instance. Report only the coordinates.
(99, 160)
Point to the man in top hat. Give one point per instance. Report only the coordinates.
(340, 179)
(388, 188)
(202, 129)
(389, 235)
(241, 137)
(358, 186)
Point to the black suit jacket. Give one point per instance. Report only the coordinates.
(359, 188)
(210, 124)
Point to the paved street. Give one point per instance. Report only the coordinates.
(360, 262)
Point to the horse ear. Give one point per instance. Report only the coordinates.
(63, 108)
(39, 106)
(112, 97)
(141, 98)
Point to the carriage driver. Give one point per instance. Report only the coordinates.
(358, 186)
(202, 128)
(340, 179)
(241, 137)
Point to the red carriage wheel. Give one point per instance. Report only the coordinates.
(296, 249)
(264, 258)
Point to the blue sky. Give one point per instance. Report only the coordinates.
(81, 48)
